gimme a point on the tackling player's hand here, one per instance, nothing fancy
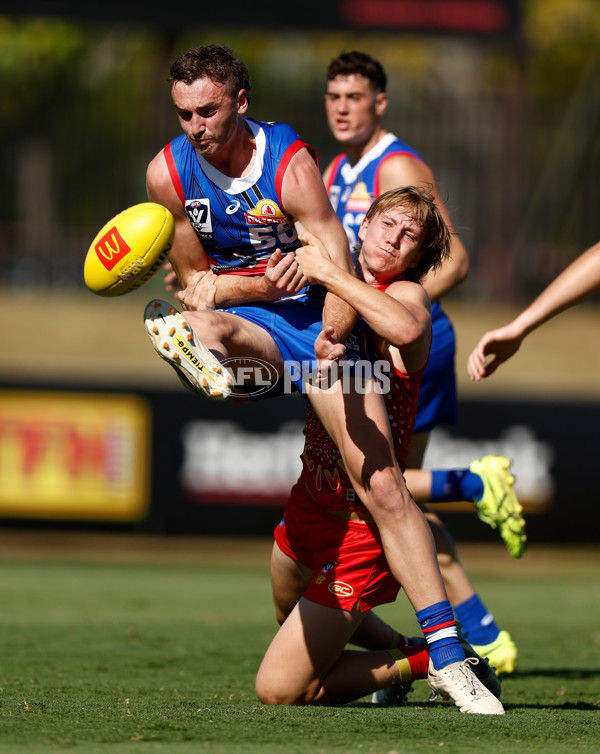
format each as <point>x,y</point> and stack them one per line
<point>308,239</point>
<point>200,292</point>
<point>313,258</point>
<point>283,276</point>
<point>328,351</point>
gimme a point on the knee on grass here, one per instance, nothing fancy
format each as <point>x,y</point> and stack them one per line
<point>272,693</point>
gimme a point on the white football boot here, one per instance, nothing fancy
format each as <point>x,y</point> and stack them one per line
<point>458,682</point>
<point>175,342</point>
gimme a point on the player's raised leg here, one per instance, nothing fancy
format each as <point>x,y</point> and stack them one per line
<point>196,344</point>
<point>174,341</point>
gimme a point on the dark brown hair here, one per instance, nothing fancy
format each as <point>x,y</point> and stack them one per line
<point>215,62</point>
<point>358,64</point>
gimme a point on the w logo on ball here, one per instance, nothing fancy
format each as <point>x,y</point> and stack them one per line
<point>111,248</point>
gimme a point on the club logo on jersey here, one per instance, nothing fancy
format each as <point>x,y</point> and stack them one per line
<point>266,212</point>
<point>198,212</point>
<point>340,588</point>
<point>111,248</point>
<point>360,200</point>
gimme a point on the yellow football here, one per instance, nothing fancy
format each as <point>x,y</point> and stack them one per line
<point>129,249</point>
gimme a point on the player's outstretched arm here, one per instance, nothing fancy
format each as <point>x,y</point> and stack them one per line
<point>401,315</point>
<point>576,282</point>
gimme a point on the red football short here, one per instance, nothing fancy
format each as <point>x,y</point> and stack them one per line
<point>346,557</point>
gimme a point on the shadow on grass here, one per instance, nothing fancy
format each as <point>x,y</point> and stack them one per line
<point>584,706</point>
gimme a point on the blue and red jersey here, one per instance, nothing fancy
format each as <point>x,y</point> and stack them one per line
<point>240,221</point>
<point>352,188</point>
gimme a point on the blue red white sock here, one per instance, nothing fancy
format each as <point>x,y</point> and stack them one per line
<point>451,485</point>
<point>476,621</point>
<point>439,628</point>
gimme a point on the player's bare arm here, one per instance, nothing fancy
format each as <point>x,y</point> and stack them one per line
<point>283,277</point>
<point>408,171</point>
<point>187,254</point>
<point>401,315</point>
<point>576,282</point>
<point>409,349</point>
<point>305,198</point>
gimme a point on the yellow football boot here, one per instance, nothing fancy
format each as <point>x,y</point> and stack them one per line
<point>499,507</point>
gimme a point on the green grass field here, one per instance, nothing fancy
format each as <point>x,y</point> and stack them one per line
<point>113,644</point>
